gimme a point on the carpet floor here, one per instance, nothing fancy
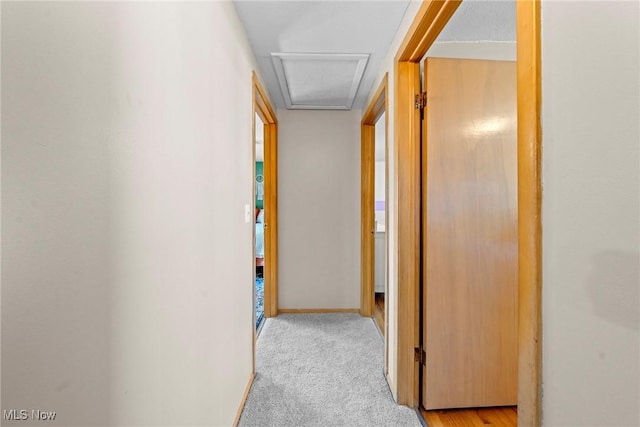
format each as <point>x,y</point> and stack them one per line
<point>321,370</point>
<point>259,300</point>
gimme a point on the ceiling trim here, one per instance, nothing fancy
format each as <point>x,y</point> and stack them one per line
<point>278,58</point>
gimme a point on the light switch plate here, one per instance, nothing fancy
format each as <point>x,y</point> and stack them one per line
<point>247,213</point>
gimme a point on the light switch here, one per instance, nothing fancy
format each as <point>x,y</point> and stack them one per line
<point>247,213</point>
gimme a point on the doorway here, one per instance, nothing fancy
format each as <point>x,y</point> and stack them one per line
<point>380,222</point>
<point>429,22</point>
<point>374,210</point>
<point>265,213</point>
<point>259,219</point>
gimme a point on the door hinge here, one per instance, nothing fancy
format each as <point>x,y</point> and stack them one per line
<point>421,100</point>
<point>421,355</point>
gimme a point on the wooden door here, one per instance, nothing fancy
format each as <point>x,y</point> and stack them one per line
<point>470,234</point>
<point>271,219</point>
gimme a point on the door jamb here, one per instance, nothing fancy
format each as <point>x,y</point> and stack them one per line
<point>262,107</point>
<point>431,18</point>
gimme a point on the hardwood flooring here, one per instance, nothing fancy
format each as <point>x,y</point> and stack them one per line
<point>378,311</point>
<point>475,417</point>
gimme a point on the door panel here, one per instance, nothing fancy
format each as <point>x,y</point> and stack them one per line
<point>470,234</point>
<point>271,220</point>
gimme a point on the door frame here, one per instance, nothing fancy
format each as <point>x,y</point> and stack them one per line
<point>262,107</point>
<point>431,18</point>
<point>378,105</point>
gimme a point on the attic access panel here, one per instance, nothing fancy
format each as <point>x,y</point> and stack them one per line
<point>319,81</point>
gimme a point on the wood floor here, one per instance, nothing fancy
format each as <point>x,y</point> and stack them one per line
<point>477,417</point>
<point>500,417</point>
<point>378,311</point>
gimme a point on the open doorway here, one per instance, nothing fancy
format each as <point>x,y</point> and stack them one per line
<point>259,220</point>
<point>469,283</point>
<point>374,171</point>
<point>380,222</point>
<point>265,214</point>
<point>409,176</point>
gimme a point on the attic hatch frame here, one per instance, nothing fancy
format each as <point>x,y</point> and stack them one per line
<point>278,59</point>
<point>430,20</point>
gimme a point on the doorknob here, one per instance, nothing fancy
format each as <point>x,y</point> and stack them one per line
<point>266,225</point>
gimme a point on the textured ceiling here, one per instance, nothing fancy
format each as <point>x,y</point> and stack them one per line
<point>350,27</point>
<point>480,20</point>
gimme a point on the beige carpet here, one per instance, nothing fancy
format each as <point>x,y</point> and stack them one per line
<point>321,370</point>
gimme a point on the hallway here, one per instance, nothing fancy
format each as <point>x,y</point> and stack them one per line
<point>128,177</point>
<point>321,370</point>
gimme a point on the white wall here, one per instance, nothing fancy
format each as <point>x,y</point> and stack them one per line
<point>498,51</point>
<point>379,191</point>
<point>126,261</point>
<point>379,175</point>
<point>379,181</point>
<point>591,215</point>
<point>380,138</point>
<point>319,209</point>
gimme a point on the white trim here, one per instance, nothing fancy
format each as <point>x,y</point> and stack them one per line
<point>277,59</point>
